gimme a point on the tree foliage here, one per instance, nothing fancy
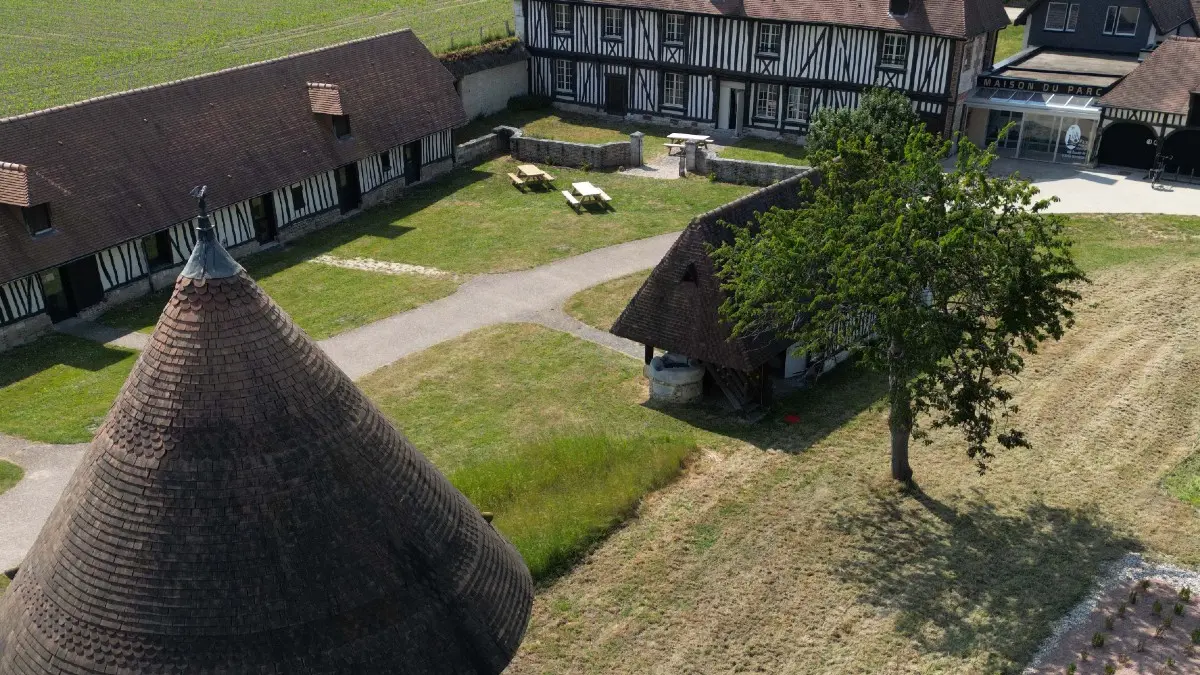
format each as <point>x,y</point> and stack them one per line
<point>961,272</point>
<point>883,114</point>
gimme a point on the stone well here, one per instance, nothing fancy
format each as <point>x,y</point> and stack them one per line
<point>675,378</point>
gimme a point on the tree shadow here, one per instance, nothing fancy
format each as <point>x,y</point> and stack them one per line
<point>968,580</point>
<point>836,399</point>
<point>23,362</point>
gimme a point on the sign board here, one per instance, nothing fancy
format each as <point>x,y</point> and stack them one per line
<point>1041,87</point>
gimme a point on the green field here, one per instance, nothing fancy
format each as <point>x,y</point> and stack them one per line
<point>61,51</point>
<point>10,475</point>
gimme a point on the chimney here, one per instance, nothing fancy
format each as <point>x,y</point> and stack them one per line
<point>898,7</point>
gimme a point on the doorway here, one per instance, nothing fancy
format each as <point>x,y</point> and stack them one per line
<point>262,212</point>
<point>412,163</point>
<point>72,288</point>
<point>349,193</point>
<point>616,94</point>
<point>730,106</point>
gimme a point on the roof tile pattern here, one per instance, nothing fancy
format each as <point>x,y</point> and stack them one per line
<point>114,168</point>
<point>678,307</point>
<point>325,99</point>
<point>1164,82</point>
<point>245,509</point>
<point>14,184</point>
<point>948,18</point>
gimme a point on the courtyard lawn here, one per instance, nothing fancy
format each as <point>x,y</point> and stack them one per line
<point>475,221</point>
<point>1184,481</point>
<point>59,388</point>
<point>322,299</point>
<point>1009,42</point>
<point>61,52</point>
<point>600,306</point>
<point>10,475</point>
<point>760,150</point>
<point>538,427</point>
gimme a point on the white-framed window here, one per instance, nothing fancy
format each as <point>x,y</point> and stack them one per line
<point>895,51</point>
<point>614,22</point>
<point>562,18</point>
<point>673,28</point>
<point>564,76</point>
<point>1121,21</point>
<point>799,102</point>
<point>770,36</point>
<point>1062,17</point>
<point>674,90</point>
<point>766,103</point>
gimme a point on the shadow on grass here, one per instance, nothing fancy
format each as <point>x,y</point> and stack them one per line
<point>53,350</point>
<point>973,581</point>
<point>835,400</point>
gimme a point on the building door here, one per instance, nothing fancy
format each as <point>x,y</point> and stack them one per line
<point>730,105</point>
<point>58,306</point>
<point>72,288</point>
<point>349,193</point>
<point>616,94</point>
<point>412,163</point>
<point>262,212</point>
<point>1183,148</point>
<point>734,98</point>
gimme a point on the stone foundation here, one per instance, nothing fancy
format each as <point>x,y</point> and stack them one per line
<point>24,331</point>
<point>479,150</point>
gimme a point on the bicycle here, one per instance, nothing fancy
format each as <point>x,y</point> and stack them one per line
<point>1160,165</point>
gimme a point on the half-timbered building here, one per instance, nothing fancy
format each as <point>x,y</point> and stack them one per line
<point>762,66</point>
<point>93,205</point>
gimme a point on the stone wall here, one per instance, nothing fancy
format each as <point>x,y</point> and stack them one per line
<point>479,150</point>
<point>487,91</point>
<point>23,331</point>
<point>563,153</point>
<point>742,172</point>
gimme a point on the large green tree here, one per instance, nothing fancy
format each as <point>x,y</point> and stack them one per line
<point>961,273</point>
<point>883,114</point>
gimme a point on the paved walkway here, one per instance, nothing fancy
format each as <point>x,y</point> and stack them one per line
<point>97,332</point>
<point>1104,189</point>
<point>28,504</point>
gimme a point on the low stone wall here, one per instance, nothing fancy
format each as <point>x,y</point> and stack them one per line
<point>743,172</point>
<point>785,194</point>
<point>613,155</point>
<point>23,331</point>
<point>479,150</point>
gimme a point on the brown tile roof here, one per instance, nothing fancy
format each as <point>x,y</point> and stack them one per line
<point>677,308</point>
<point>1164,82</point>
<point>948,18</point>
<point>244,508</point>
<point>14,184</point>
<point>118,167</point>
<point>325,98</point>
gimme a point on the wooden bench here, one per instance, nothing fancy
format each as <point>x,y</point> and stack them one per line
<point>673,146</point>
<point>605,198</point>
<point>516,180</point>
<point>575,203</point>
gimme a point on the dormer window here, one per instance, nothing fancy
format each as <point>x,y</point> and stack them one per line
<point>341,126</point>
<point>37,219</point>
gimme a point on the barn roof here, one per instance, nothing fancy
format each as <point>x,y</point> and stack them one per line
<point>678,306</point>
<point>245,508</point>
<point>1164,82</point>
<point>947,18</point>
<point>117,167</point>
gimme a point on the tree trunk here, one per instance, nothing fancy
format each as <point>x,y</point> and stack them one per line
<point>900,417</point>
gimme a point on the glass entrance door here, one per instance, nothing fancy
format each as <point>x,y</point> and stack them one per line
<point>1006,145</point>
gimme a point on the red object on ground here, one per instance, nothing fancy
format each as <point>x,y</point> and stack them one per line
<point>791,419</point>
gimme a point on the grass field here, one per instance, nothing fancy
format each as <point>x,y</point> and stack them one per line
<point>60,52</point>
<point>600,306</point>
<point>1184,481</point>
<point>539,427</point>
<point>760,150</point>
<point>10,474</point>
<point>1009,42</point>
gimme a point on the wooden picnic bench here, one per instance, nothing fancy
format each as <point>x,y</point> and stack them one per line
<point>674,146</point>
<point>516,180</point>
<point>582,193</point>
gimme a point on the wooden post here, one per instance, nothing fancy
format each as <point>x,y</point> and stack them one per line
<point>649,354</point>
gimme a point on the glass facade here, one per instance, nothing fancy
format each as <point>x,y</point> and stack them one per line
<point>1048,128</point>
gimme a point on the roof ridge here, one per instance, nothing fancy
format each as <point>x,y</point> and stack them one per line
<point>201,76</point>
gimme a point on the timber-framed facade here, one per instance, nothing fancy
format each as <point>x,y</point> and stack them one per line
<point>760,67</point>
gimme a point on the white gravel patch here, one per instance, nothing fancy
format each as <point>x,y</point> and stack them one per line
<point>381,266</point>
<point>1131,568</point>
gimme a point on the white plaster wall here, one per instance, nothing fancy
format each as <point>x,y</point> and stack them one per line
<point>487,92</point>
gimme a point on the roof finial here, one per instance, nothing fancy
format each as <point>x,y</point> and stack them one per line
<point>209,260</point>
<point>203,226</point>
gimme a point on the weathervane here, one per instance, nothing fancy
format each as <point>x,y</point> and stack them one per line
<point>198,193</point>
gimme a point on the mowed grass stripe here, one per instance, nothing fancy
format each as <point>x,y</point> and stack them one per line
<point>61,52</point>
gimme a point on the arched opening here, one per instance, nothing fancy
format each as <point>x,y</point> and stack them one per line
<point>1183,147</point>
<point>1127,144</point>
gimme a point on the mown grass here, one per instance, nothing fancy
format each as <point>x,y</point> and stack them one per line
<point>10,475</point>
<point>1184,480</point>
<point>599,306</point>
<point>1103,241</point>
<point>58,389</point>
<point>760,150</point>
<point>1009,42</point>
<point>562,126</point>
<point>538,427</point>
<point>323,300</point>
<point>60,52</point>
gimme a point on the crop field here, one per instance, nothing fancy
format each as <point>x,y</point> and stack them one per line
<point>60,51</point>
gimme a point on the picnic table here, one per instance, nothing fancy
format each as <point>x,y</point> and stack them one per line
<point>529,173</point>
<point>584,193</point>
<point>681,140</point>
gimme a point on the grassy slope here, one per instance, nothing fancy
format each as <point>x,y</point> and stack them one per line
<point>810,561</point>
<point>1009,42</point>
<point>539,427</point>
<point>10,474</point>
<point>58,389</point>
<point>760,150</point>
<point>600,306</point>
<point>59,52</point>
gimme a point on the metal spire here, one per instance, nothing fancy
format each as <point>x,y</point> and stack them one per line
<point>209,259</point>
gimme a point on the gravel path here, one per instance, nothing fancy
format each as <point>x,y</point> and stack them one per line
<point>98,332</point>
<point>27,505</point>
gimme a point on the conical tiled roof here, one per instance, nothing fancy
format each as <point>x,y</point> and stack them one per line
<point>244,508</point>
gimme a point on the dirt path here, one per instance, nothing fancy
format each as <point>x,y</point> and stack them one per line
<point>811,562</point>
